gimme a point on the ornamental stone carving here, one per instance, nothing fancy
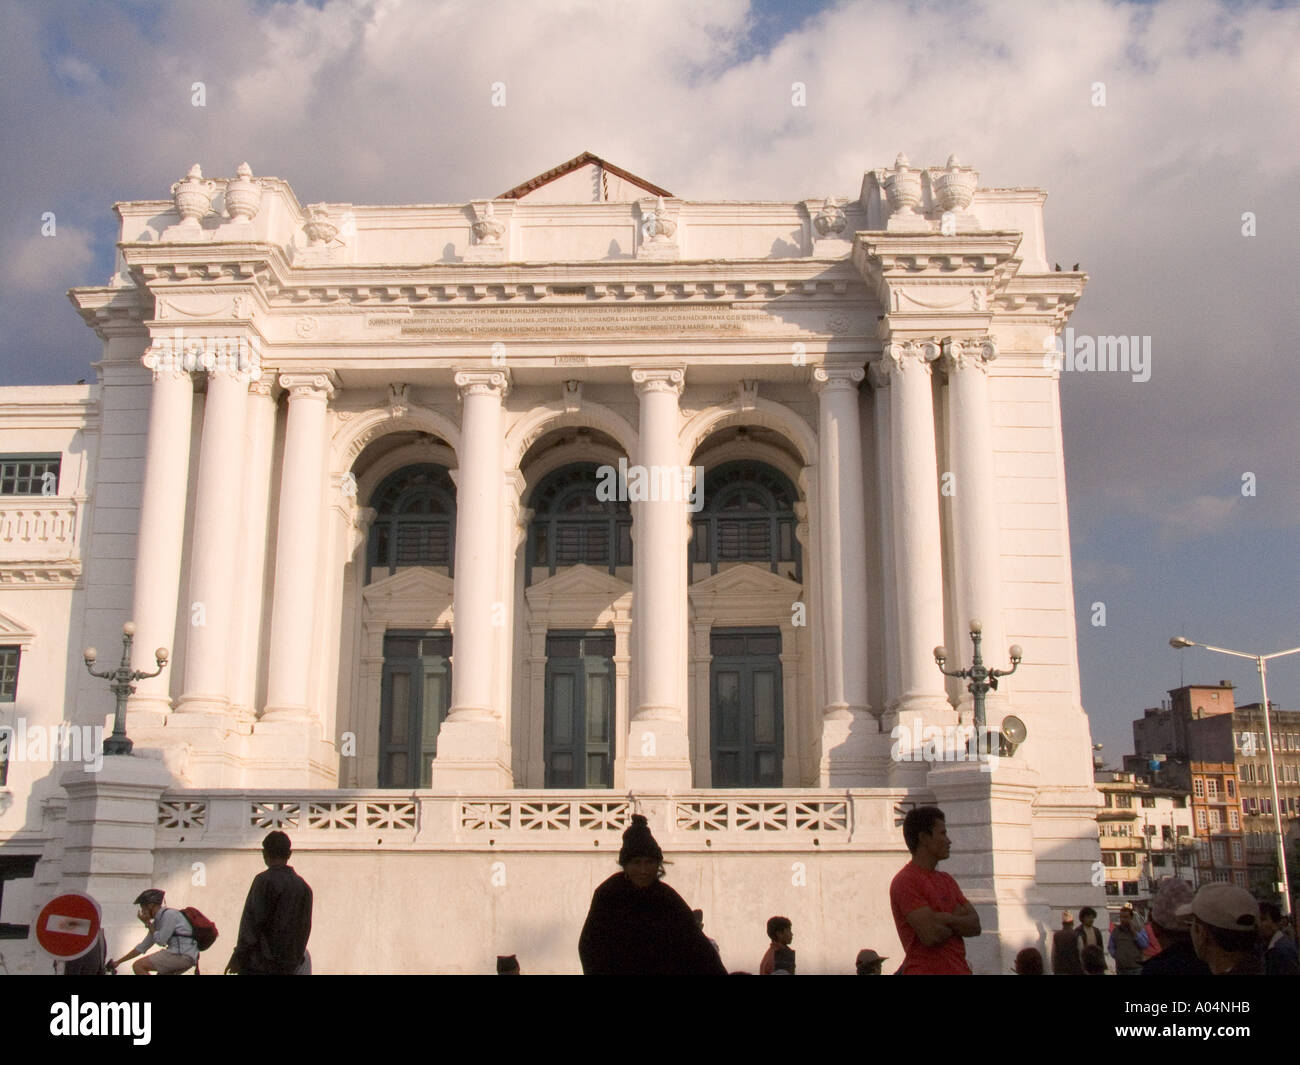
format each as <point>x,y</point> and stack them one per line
<point>830,220</point>
<point>482,383</point>
<point>837,378</point>
<point>975,352</point>
<point>193,196</point>
<point>488,229</point>
<point>898,355</point>
<point>319,227</point>
<point>398,400</point>
<point>659,380</point>
<point>954,185</point>
<point>307,386</point>
<point>243,195</point>
<point>656,225</point>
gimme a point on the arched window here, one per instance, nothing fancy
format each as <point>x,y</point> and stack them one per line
<point>748,516</point>
<point>415,523</point>
<point>572,524</point>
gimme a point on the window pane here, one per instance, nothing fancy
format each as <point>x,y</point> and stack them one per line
<point>728,707</point>
<point>541,542</point>
<point>431,707</point>
<point>597,708</point>
<point>562,710</point>
<point>8,674</point>
<point>561,769</point>
<point>625,544</point>
<point>766,774</point>
<point>400,708</point>
<point>397,770</point>
<point>726,770</point>
<point>765,644</point>
<point>764,708</point>
<point>563,646</point>
<point>596,771</point>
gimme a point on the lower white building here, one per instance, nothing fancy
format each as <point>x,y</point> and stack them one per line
<point>470,529</point>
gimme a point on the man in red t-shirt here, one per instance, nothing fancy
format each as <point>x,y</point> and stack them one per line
<point>930,912</point>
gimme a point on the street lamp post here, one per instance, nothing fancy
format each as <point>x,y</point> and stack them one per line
<point>982,679</point>
<point>1179,642</point>
<point>121,686</point>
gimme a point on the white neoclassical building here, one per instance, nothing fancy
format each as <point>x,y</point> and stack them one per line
<point>471,529</point>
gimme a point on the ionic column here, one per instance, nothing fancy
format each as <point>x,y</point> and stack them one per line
<point>977,554</point>
<point>844,576</point>
<point>918,569</point>
<point>162,531</point>
<point>258,440</point>
<point>297,540</point>
<point>217,546</point>
<point>473,746</point>
<point>658,755</point>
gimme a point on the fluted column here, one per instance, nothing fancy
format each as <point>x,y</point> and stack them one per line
<point>658,756</point>
<point>297,539</point>
<point>162,531</point>
<point>978,556</point>
<point>844,575</point>
<point>258,440</point>
<point>918,570</point>
<point>216,546</point>
<point>473,747</point>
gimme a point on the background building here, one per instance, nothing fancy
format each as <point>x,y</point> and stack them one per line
<point>1217,751</point>
<point>351,465</point>
<point>1146,834</point>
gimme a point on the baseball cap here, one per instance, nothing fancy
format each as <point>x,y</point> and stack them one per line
<point>870,957</point>
<point>1224,906</point>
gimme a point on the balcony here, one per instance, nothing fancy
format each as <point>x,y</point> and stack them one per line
<point>40,539</point>
<point>806,820</point>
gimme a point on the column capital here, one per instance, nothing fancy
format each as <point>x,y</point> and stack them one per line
<point>262,385</point>
<point>307,385</point>
<point>159,358</point>
<point>837,378</point>
<point>896,354</point>
<point>878,374</point>
<point>961,352</point>
<point>482,383</point>
<point>659,380</point>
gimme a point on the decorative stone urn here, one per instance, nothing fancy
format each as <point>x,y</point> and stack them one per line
<point>830,220</point>
<point>954,186</point>
<point>489,229</point>
<point>902,185</point>
<point>193,196</point>
<point>243,195</point>
<point>319,228</point>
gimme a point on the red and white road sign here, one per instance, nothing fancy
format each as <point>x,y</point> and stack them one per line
<point>68,926</point>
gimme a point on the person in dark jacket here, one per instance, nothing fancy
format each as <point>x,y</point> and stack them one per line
<point>1177,956</point>
<point>1280,957</point>
<point>1065,949</point>
<point>638,925</point>
<point>276,923</point>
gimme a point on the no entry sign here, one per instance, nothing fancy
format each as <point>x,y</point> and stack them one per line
<point>67,926</point>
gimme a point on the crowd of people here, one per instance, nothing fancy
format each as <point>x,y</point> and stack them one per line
<point>639,925</point>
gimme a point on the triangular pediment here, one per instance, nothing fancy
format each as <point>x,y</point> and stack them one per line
<point>580,582</point>
<point>745,581</point>
<point>586,178</point>
<point>13,631</point>
<point>413,583</point>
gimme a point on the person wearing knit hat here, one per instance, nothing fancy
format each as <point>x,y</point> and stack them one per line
<point>1225,926</point>
<point>1177,956</point>
<point>638,925</point>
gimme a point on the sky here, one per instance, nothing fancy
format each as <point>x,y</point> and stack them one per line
<point>1165,134</point>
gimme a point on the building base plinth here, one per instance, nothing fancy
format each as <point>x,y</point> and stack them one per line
<point>472,756</point>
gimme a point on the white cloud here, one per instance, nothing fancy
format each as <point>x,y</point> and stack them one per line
<point>44,264</point>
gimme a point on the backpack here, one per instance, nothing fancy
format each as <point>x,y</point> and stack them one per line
<point>204,932</point>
